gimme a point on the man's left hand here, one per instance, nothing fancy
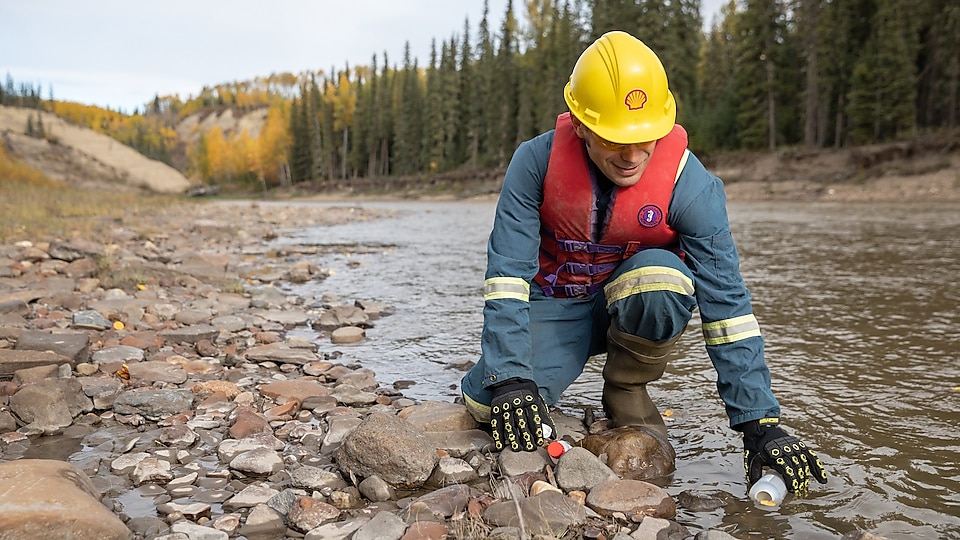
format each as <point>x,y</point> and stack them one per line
<point>766,444</point>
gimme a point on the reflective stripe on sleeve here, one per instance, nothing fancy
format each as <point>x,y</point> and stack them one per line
<point>731,330</point>
<point>683,163</point>
<point>480,412</point>
<point>646,279</point>
<point>506,287</point>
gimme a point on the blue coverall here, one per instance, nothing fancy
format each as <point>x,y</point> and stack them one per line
<point>549,339</point>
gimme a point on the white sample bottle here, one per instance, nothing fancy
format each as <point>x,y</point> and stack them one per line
<point>769,490</point>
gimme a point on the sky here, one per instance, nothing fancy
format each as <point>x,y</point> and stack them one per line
<point>120,54</point>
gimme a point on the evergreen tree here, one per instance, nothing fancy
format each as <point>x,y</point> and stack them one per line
<point>845,27</point>
<point>409,125</point>
<point>359,149</point>
<point>449,106</point>
<point>434,129</point>
<point>486,112</point>
<point>468,133</point>
<point>882,101</point>
<point>939,71</point>
<point>714,124</point>
<point>506,91</point>
<point>759,31</point>
<point>300,141</point>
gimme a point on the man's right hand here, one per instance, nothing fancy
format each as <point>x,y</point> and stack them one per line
<point>517,415</point>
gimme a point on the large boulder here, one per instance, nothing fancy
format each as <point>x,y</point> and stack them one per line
<point>53,499</point>
<point>391,448</point>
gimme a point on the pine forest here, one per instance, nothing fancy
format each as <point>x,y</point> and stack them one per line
<point>767,74</point>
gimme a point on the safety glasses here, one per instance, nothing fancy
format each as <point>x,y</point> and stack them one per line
<point>615,147</point>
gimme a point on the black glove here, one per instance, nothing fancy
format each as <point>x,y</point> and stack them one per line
<point>764,443</point>
<point>517,415</point>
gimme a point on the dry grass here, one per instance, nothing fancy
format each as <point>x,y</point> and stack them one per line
<point>33,206</point>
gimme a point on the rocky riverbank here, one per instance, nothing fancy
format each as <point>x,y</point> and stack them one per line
<point>149,388</point>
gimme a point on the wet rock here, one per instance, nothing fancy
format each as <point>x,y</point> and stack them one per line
<point>34,374</point>
<point>704,501</point>
<point>391,448</point>
<point>374,309</point>
<point>7,422</point>
<point>580,469</point>
<point>548,513</point>
<point>50,405</point>
<point>633,452</point>
<point>451,470</point>
<point>518,463</point>
<point>119,353</point>
<point>101,390</point>
<point>198,532</point>
<point>339,427</point>
<point>340,530</point>
<point>652,527</point>
<point>14,306</point>
<point>308,513</point>
<point>375,489</point>
<point>444,502</point>
<point>190,317</point>
<point>352,396</point>
<point>340,316</point>
<point>250,497</point>
<point>179,436</point>
<point>191,334</point>
<point>280,355</point>
<point>315,479</point>
<point>245,421</point>
<point>631,497</point>
<point>54,499</point>
<point>263,523</point>
<point>363,378</point>
<point>73,249</point>
<point>426,530</point>
<point>383,526</point>
<point>72,345</point>
<point>460,443</point>
<point>157,371</point>
<point>258,461</point>
<point>439,416</point>
<point>91,320</point>
<point>127,462</point>
<point>153,404</point>
<point>151,469</point>
<point>13,360</point>
<point>289,318</point>
<point>347,334</point>
<point>296,389</point>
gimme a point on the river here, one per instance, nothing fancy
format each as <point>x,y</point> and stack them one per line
<point>859,305</point>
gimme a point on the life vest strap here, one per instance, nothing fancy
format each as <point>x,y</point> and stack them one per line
<point>589,247</point>
<point>571,290</point>
<point>589,269</point>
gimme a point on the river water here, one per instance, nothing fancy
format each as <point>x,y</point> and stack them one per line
<point>859,305</point>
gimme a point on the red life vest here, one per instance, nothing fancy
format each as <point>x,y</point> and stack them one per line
<point>571,262</point>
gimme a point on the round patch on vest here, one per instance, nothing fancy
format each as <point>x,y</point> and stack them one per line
<point>650,216</point>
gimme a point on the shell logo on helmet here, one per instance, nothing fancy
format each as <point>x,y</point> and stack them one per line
<point>635,99</point>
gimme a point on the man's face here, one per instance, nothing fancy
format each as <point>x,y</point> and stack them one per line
<point>623,164</point>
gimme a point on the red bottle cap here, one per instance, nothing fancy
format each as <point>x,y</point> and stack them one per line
<point>557,448</point>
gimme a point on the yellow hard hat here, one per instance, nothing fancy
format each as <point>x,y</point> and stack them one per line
<point>618,89</point>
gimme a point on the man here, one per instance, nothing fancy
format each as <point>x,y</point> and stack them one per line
<point>608,234</point>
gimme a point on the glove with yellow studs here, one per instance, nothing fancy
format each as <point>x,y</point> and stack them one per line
<point>517,416</point>
<point>766,444</point>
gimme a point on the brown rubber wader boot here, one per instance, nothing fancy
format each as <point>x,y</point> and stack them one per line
<point>632,362</point>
